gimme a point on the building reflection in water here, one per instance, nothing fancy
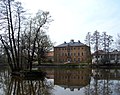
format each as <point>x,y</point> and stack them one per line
<point>94,82</point>
<point>111,74</point>
<point>49,72</point>
<point>72,78</point>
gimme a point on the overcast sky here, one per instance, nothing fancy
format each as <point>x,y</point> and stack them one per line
<point>74,18</point>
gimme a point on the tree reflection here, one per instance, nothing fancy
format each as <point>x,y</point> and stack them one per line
<point>104,82</point>
<point>19,86</point>
<point>117,87</point>
<point>4,79</point>
<point>91,82</point>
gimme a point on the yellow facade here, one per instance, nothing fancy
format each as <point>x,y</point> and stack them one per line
<point>72,52</point>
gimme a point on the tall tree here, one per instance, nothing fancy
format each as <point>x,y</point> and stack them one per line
<point>44,45</point>
<point>104,37</point>
<point>106,41</point>
<point>95,41</point>
<point>109,43</point>
<point>10,21</point>
<point>118,42</point>
<point>36,39</point>
<point>88,39</point>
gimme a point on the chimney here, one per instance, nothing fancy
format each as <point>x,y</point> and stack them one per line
<point>72,41</point>
<point>78,41</point>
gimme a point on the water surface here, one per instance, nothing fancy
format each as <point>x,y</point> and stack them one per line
<point>63,81</point>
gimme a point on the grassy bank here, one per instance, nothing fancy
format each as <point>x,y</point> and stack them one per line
<point>63,65</point>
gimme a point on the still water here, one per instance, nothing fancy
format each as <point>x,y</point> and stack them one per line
<point>63,81</point>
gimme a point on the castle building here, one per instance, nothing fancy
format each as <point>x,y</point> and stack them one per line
<point>72,52</point>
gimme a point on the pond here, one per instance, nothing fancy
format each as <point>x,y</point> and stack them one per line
<point>63,81</point>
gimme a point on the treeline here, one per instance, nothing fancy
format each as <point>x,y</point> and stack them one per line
<point>102,41</point>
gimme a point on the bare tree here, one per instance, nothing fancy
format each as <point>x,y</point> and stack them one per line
<point>12,24</point>
<point>95,40</point>
<point>118,42</point>
<point>36,39</point>
<point>106,41</point>
<point>88,39</point>
<point>44,45</point>
<point>104,37</point>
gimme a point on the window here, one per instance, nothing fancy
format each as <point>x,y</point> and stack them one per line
<point>98,56</point>
<point>78,54</point>
<point>68,54</point>
<point>82,53</point>
<point>82,77</point>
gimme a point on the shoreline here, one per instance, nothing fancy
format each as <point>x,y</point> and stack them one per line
<point>81,65</point>
<point>84,65</point>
